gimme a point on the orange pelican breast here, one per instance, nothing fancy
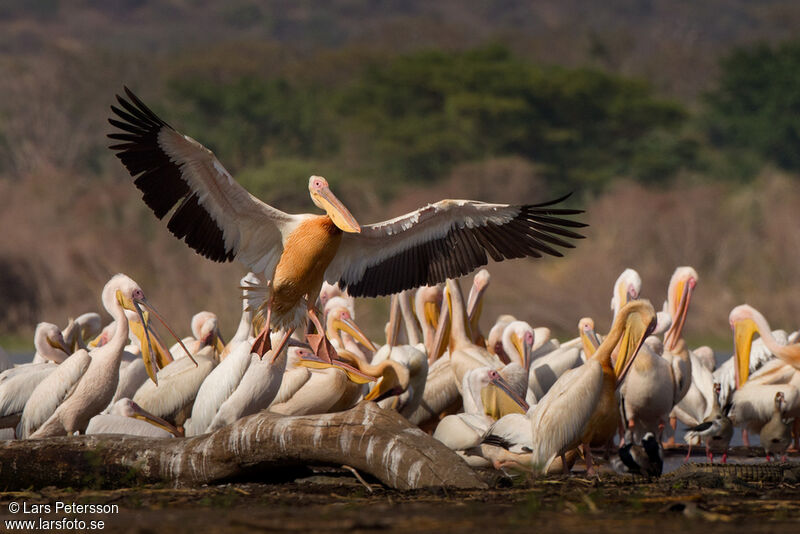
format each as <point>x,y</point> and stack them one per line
<point>307,252</point>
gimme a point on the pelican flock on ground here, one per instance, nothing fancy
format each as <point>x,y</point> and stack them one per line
<point>516,398</point>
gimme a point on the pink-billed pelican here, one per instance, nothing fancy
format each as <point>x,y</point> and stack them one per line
<point>222,221</point>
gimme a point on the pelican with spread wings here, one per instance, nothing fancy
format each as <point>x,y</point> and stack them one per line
<point>222,221</point>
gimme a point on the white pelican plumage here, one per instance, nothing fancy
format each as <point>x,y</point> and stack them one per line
<point>465,430</point>
<point>128,418</point>
<point>92,390</point>
<point>698,403</point>
<point>557,423</point>
<point>17,384</point>
<point>753,402</point>
<point>661,374</point>
<point>50,345</point>
<point>222,221</point>
<point>328,387</point>
<point>178,383</point>
<point>205,332</point>
<point>242,384</point>
<point>390,392</point>
<point>559,419</point>
<point>627,287</point>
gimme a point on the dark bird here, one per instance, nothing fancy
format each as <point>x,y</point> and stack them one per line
<point>645,459</point>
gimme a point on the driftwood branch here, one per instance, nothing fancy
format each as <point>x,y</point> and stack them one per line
<point>368,438</point>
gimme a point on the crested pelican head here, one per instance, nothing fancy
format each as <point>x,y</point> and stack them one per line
<point>323,198</point>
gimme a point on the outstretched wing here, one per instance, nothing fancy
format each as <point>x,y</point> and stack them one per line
<point>214,215</point>
<point>444,240</point>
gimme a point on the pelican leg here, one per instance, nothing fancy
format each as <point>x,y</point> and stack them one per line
<point>322,347</point>
<point>564,463</point>
<point>263,343</point>
<point>282,344</point>
<point>745,437</point>
<point>725,457</point>
<point>587,456</point>
<point>688,454</point>
<point>673,422</point>
<point>313,316</point>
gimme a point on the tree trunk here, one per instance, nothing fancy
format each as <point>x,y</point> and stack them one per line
<point>368,438</point>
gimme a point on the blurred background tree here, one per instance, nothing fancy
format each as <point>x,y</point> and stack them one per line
<point>675,122</point>
<point>755,107</point>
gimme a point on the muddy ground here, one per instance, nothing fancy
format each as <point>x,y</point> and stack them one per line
<point>328,499</point>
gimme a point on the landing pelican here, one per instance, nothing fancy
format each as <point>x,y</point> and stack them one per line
<point>222,221</point>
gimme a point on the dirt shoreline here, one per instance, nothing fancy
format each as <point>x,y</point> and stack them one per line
<point>333,500</point>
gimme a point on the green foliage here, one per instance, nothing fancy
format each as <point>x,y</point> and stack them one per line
<point>414,117</point>
<point>425,112</point>
<point>250,120</point>
<point>756,105</point>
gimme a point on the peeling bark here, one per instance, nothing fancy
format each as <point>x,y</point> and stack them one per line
<point>368,438</point>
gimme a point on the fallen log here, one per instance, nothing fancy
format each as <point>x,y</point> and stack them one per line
<point>370,439</point>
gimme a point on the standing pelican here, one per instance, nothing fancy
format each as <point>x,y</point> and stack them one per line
<point>559,419</point>
<point>661,375</point>
<point>753,401</point>
<point>557,423</point>
<point>222,221</point>
<point>95,386</point>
